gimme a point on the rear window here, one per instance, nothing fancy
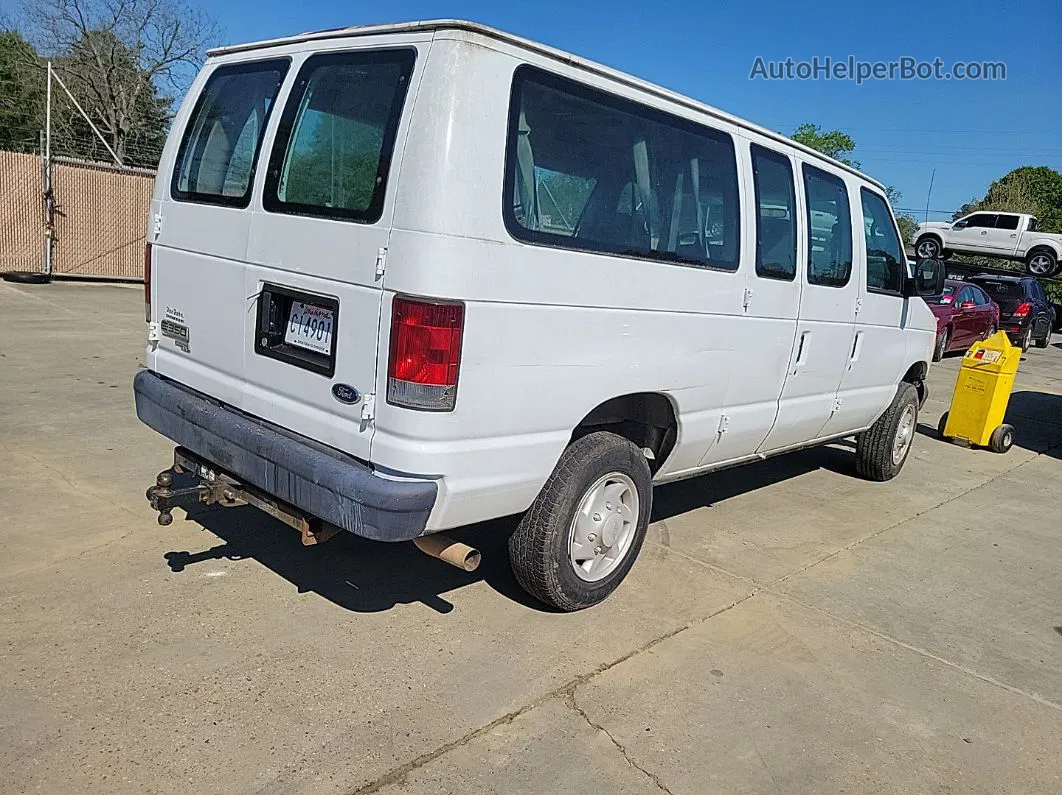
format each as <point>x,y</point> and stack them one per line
<point>1001,289</point>
<point>335,139</point>
<point>216,160</point>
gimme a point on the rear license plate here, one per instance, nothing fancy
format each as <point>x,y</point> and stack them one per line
<point>310,327</point>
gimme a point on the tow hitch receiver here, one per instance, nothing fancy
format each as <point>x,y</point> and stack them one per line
<point>192,481</point>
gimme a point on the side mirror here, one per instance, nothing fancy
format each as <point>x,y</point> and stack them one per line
<point>929,276</point>
<point>960,224</point>
<point>967,305</point>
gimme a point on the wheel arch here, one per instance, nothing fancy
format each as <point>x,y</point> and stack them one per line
<point>1048,246</point>
<point>916,376</point>
<point>933,234</point>
<point>648,419</point>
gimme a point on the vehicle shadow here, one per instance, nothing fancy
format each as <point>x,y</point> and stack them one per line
<point>368,576</point>
<point>1037,420</point>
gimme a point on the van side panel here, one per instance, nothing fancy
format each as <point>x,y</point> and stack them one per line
<point>549,333</point>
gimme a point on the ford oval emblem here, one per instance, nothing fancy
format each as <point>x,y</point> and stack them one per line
<point>345,393</point>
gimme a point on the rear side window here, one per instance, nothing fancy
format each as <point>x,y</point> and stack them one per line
<point>829,228</point>
<point>216,160</point>
<point>1004,221</point>
<point>590,171</point>
<point>335,139</point>
<point>886,261</point>
<point>776,230</point>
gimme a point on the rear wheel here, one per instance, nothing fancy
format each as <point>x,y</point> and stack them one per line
<point>1041,263</point>
<point>1002,439</point>
<point>583,532</point>
<point>943,339</point>
<point>1026,339</point>
<point>882,449</point>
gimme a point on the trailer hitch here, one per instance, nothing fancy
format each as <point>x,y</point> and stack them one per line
<point>206,485</point>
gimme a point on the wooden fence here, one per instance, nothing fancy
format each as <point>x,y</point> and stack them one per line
<point>100,218</point>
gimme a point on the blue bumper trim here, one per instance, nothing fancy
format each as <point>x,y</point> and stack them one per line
<point>318,479</point>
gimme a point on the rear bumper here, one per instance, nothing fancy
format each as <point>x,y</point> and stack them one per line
<point>318,479</point>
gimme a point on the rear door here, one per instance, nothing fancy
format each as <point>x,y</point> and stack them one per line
<point>1003,237</point>
<point>317,247</point>
<point>199,227</point>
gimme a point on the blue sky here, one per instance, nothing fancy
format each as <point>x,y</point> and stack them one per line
<point>970,131</point>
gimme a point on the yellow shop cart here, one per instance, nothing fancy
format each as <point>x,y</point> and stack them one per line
<point>982,392</point>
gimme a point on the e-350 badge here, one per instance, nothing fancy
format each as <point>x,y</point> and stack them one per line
<point>176,330</point>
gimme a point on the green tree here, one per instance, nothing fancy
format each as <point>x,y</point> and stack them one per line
<point>1030,189</point>
<point>907,222</point>
<point>124,61</point>
<point>21,94</point>
<point>834,143</point>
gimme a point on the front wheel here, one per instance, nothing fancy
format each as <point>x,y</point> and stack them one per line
<point>928,248</point>
<point>1043,343</point>
<point>582,534</point>
<point>882,449</point>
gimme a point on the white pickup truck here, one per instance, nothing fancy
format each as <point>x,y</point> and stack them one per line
<point>1011,236</point>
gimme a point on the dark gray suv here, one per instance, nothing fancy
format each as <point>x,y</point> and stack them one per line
<point>1024,311</point>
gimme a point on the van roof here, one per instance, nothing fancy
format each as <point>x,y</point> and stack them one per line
<point>542,49</point>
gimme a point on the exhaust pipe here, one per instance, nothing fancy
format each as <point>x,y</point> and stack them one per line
<point>441,546</point>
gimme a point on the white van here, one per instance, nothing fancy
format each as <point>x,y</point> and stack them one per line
<point>408,277</point>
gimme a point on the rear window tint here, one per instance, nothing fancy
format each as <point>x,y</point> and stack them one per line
<point>335,139</point>
<point>216,160</point>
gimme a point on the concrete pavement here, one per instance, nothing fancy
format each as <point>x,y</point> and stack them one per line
<point>788,628</point>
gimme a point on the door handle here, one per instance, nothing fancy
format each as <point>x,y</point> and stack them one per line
<point>1014,235</point>
<point>984,233</point>
<point>857,346</point>
<point>802,351</point>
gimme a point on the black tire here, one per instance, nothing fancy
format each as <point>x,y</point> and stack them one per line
<point>875,446</point>
<point>942,424</point>
<point>943,338</point>
<point>1026,339</point>
<point>1002,439</point>
<point>26,277</point>
<point>1041,262</point>
<point>1043,343</point>
<point>538,550</point>
<point>928,247</point>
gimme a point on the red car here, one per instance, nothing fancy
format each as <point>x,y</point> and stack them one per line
<point>965,314</point>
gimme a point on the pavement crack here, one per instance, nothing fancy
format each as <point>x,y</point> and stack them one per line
<point>398,774</point>
<point>924,652</point>
<point>569,701</point>
<point>901,522</point>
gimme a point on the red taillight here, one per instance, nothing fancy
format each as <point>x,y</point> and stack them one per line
<point>147,282</point>
<point>425,354</point>
<point>1023,310</point>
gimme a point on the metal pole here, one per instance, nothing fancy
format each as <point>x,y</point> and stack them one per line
<point>930,193</point>
<point>49,203</point>
<point>84,115</point>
